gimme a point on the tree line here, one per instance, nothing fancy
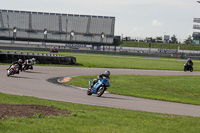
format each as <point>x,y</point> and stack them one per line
<point>173,39</point>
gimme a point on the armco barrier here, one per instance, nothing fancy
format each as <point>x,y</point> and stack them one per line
<point>9,57</point>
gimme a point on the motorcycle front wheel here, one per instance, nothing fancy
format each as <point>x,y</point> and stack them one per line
<point>191,69</point>
<point>89,92</point>
<point>10,73</point>
<point>185,69</point>
<point>23,68</point>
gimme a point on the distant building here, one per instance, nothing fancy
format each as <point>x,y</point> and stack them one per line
<point>56,27</point>
<point>196,35</point>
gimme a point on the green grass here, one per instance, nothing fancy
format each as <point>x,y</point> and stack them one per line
<point>130,62</point>
<point>183,89</point>
<point>92,119</point>
<point>127,62</point>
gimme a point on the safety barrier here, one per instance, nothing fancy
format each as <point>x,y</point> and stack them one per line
<point>9,57</point>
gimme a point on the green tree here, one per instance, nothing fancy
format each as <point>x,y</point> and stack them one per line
<point>174,39</point>
<point>159,38</point>
<point>150,39</point>
<point>189,40</point>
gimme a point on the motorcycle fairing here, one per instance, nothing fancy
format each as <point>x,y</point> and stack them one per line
<point>96,86</point>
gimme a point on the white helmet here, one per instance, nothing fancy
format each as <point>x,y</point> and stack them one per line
<point>107,73</point>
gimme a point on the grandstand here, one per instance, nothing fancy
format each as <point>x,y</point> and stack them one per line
<point>56,27</point>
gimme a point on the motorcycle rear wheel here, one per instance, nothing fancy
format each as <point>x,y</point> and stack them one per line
<point>100,91</point>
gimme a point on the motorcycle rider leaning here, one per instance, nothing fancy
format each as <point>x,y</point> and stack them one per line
<point>19,62</point>
<point>30,62</point>
<point>100,77</point>
<point>189,62</point>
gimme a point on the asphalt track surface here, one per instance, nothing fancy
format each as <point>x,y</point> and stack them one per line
<point>35,83</point>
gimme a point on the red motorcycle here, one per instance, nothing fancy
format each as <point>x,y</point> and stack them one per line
<point>13,70</point>
<point>53,50</point>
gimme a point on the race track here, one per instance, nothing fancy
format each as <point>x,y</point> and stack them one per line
<point>34,83</point>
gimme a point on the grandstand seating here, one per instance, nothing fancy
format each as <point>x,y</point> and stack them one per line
<point>59,27</point>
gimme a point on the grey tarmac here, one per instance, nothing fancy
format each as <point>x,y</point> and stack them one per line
<point>34,83</point>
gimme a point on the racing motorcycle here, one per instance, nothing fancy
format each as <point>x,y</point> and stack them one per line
<point>99,87</point>
<point>188,67</point>
<point>13,69</point>
<point>27,65</point>
<point>53,50</point>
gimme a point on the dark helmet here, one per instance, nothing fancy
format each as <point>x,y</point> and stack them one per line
<point>20,61</point>
<point>107,73</point>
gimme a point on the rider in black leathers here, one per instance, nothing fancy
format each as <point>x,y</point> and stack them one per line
<point>189,62</point>
<point>19,62</point>
<point>100,77</point>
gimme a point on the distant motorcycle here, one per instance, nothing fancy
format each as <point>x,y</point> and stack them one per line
<point>53,50</point>
<point>27,65</point>
<point>13,69</point>
<point>99,88</point>
<point>188,67</point>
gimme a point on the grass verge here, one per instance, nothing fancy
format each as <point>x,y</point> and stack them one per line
<point>127,62</point>
<point>92,119</point>
<point>183,89</point>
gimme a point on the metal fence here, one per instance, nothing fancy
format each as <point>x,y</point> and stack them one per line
<point>56,27</point>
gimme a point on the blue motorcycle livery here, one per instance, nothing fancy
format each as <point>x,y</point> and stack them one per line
<point>99,87</point>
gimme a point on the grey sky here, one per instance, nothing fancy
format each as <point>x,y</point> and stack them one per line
<point>135,18</point>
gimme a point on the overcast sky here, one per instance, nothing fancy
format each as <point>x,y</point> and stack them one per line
<point>135,18</point>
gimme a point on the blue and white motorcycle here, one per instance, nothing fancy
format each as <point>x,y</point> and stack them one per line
<point>99,87</point>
